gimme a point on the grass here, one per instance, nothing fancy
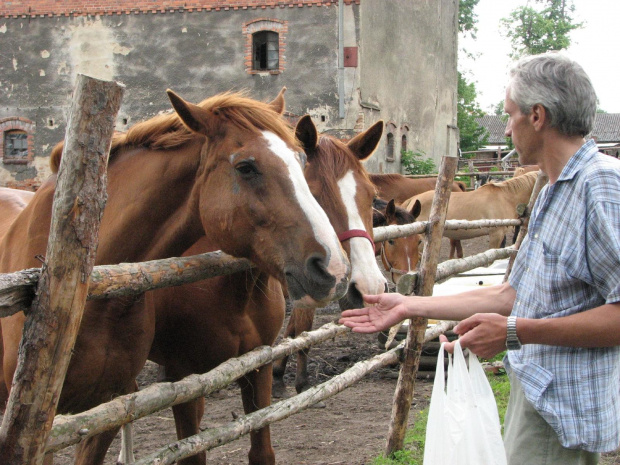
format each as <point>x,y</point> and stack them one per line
<point>413,451</point>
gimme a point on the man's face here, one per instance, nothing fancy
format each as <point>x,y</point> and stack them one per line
<point>519,128</point>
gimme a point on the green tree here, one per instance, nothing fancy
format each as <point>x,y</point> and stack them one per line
<point>472,135</point>
<point>535,30</point>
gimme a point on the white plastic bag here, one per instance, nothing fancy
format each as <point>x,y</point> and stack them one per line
<point>463,425</point>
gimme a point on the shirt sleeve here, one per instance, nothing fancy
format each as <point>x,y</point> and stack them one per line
<point>603,237</point>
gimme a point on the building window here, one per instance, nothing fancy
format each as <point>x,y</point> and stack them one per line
<point>15,146</point>
<point>265,45</point>
<point>16,140</point>
<point>403,143</point>
<point>390,142</point>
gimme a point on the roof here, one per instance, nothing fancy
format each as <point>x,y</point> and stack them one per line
<point>606,128</point>
<point>49,8</point>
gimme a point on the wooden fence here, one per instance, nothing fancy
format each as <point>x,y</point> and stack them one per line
<point>27,445</point>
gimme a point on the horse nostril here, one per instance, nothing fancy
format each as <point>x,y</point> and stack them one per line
<point>317,270</point>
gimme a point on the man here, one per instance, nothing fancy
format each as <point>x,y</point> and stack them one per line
<point>559,312</point>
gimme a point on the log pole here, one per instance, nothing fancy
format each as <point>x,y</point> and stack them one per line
<point>415,334</point>
<point>51,327</point>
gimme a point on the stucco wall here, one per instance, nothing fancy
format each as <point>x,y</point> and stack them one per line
<point>196,54</point>
<point>406,72</point>
<point>411,77</point>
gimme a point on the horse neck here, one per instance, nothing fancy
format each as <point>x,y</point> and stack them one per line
<point>153,212</point>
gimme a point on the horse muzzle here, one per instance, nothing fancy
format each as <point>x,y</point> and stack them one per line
<point>314,285</point>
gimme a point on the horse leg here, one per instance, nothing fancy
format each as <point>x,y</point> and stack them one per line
<point>279,366</point>
<point>456,248</point>
<point>256,394</point>
<point>303,322</point>
<point>126,457</point>
<point>92,451</point>
<point>496,237</point>
<point>187,419</point>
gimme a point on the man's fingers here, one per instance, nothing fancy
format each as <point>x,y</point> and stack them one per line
<point>354,312</point>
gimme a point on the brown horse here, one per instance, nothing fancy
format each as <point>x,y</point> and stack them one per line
<point>401,188</point>
<point>12,202</point>
<point>340,182</point>
<point>401,255</point>
<point>200,325</point>
<point>227,169</point>
<point>496,200</point>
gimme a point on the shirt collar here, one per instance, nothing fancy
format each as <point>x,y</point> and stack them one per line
<point>582,158</point>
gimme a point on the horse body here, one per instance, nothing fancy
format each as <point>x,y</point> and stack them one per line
<point>341,185</point>
<point>227,169</point>
<point>401,255</point>
<point>401,188</point>
<point>491,201</point>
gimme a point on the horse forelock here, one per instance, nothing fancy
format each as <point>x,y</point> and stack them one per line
<point>333,162</point>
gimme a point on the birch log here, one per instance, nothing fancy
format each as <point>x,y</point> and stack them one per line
<point>415,334</point>
<point>51,328</point>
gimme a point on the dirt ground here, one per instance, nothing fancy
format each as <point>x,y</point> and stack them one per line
<point>350,430</point>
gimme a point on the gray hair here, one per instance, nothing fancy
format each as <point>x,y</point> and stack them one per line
<point>561,86</point>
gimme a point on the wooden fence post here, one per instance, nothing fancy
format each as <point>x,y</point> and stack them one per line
<point>426,280</point>
<point>51,326</point>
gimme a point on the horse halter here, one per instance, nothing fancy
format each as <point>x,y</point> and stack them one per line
<point>388,266</point>
<point>346,235</point>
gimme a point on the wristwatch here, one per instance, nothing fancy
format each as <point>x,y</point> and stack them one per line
<point>512,341</point>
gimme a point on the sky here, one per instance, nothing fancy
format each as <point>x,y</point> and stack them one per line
<point>596,47</point>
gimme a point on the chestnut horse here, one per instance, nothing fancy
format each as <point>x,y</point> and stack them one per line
<point>200,325</point>
<point>340,182</point>
<point>495,200</point>
<point>12,202</point>
<point>401,255</point>
<point>228,169</point>
<point>401,188</point>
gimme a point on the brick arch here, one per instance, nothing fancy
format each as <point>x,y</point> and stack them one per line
<point>265,24</point>
<point>17,123</point>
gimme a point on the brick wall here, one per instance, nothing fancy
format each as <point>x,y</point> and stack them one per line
<point>43,8</point>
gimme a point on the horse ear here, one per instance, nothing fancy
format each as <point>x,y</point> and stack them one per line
<point>364,144</point>
<point>193,116</point>
<point>390,212</point>
<point>278,103</point>
<point>416,209</point>
<point>306,133</point>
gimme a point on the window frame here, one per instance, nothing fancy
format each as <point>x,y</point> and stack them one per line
<point>267,25</point>
<point>17,125</point>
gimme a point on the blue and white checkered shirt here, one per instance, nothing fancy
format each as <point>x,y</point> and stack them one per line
<point>569,263</point>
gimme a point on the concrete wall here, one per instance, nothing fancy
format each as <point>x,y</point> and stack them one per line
<point>406,68</point>
<point>408,73</point>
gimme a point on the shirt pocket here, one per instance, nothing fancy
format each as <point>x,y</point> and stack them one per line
<point>555,284</point>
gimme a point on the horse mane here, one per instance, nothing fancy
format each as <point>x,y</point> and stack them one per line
<point>513,185</point>
<point>335,161</point>
<point>167,131</point>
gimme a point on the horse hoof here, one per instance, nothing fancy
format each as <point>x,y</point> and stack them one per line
<point>279,392</point>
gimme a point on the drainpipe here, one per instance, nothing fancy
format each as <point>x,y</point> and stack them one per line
<point>341,59</point>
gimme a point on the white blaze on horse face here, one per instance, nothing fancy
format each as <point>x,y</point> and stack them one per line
<point>338,264</point>
<point>365,272</point>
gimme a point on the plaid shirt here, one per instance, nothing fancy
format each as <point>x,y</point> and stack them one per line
<point>569,263</point>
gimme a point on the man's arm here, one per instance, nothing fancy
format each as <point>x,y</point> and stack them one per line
<point>385,310</point>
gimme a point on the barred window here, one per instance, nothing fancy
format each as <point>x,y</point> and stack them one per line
<point>15,147</point>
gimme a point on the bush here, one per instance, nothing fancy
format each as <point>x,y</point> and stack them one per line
<point>416,163</point>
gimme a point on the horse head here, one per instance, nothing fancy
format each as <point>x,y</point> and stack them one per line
<point>253,189</point>
<point>401,255</point>
<point>341,185</point>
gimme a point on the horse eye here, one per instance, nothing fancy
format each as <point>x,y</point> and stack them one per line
<point>247,169</point>
<point>391,241</point>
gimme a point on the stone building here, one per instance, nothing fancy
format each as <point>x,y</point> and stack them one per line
<point>347,63</point>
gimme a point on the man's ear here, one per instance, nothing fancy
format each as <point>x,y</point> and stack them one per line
<point>538,116</point>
